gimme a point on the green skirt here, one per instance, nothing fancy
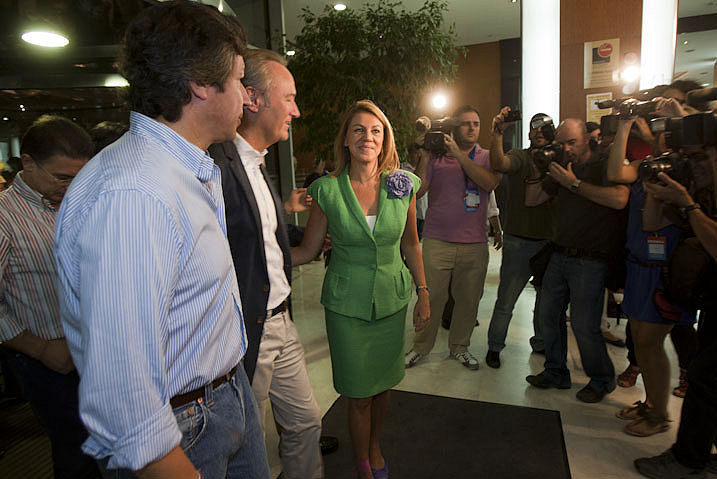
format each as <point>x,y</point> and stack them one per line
<point>367,357</point>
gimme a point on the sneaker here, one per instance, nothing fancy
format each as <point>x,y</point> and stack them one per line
<point>412,358</point>
<point>492,359</point>
<point>592,395</point>
<point>540,381</point>
<point>665,466</point>
<point>681,390</point>
<point>628,377</point>
<point>638,410</point>
<point>466,359</point>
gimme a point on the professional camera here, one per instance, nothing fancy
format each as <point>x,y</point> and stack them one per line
<point>626,107</point>
<point>698,129</point>
<point>546,127</point>
<point>552,152</point>
<point>671,163</point>
<point>434,130</point>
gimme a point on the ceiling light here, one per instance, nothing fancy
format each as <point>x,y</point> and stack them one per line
<point>339,7</point>
<point>45,39</point>
<point>705,85</point>
<point>5,118</point>
<point>116,81</point>
<point>685,42</point>
<point>220,7</point>
<point>290,53</point>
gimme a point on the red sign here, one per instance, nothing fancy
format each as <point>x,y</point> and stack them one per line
<point>605,50</point>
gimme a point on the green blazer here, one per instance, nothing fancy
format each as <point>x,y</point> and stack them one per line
<point>366,270</point>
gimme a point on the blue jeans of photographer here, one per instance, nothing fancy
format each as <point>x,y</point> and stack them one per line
<point>222,434</point>
<point>581,283</point>
<point>514,275</point>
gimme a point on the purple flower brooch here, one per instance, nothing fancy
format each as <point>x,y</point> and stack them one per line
<point>398,184</point>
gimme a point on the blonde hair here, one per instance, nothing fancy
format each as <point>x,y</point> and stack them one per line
<point>388,158</point>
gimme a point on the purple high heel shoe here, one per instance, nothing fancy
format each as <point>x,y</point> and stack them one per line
<point>380,473</point>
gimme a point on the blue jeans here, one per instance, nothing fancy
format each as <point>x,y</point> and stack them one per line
<point>514,275</point>
<point>580,282</point>
<point>53,399</point>
<point>221,435</point>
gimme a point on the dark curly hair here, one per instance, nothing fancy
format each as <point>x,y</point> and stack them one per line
<point>172,43</point>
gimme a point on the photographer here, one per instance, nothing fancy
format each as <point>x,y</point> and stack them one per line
<point>587,233</point>
<point>527,230</point>
<point>690,455</point>
<point>651,316</point>
<point>455,240</point>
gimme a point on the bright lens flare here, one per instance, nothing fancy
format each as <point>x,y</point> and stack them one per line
<point>439,101</point>
<point>45,39</point>
<point>631,74</point>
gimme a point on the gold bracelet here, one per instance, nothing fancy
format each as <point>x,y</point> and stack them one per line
<point>418,288</point>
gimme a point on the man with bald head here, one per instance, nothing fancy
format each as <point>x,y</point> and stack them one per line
<point>587,232</point>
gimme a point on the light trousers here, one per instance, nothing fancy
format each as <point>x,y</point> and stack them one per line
<point>281,378</point>
<point>463,266</point>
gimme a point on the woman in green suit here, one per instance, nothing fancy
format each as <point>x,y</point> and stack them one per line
<point>368,207</point>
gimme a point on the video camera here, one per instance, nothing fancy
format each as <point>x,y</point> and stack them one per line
<point>686,136</point>
<point>552,152</point>
<point>626,107</point>
<point>434,130</point>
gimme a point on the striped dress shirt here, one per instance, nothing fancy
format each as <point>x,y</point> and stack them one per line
<point>148,295</point>
<point>28,299</point>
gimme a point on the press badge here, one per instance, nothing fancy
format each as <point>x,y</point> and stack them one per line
<point>656,248</point>
<point>471,199</point>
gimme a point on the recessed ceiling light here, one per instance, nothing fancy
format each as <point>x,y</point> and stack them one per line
<point>290,53</point>
<point>705,85</point>
<point>339,7</point>
<point>685,42</point>
<point>45,39</point>
<point>5,118</point>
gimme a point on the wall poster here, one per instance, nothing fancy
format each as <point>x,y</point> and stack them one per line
<point>592,112</point>
<point>602,63</point>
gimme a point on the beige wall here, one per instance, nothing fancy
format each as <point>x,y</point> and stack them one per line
<point>478,83</point>
<point>586,21</point>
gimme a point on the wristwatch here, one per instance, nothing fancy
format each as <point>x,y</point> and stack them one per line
<point>575,185</point>
<point>688,208</point>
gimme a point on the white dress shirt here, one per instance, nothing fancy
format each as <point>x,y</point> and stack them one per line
<point>252,160</point>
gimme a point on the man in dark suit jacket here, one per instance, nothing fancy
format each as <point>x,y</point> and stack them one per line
<point>259,244</point>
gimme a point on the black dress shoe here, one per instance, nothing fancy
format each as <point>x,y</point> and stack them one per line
<point>492,359</point>
<point>328,444</point>
<point>591,395</point>
<point>540,381</point>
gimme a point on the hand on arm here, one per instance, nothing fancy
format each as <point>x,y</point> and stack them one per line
<point>483,177</point>
<point>314,237</point>
<point>298,201</point>
<point>411,250</point>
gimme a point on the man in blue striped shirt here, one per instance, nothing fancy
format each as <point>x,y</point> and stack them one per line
<point>148,295</point>
<point>52,152</point>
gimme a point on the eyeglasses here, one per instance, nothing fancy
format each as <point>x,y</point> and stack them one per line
<point>63,180</point>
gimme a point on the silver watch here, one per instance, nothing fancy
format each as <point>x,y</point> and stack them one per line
<point>575,185</point>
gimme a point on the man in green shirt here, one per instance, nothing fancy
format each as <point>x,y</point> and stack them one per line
<point>526,230</point>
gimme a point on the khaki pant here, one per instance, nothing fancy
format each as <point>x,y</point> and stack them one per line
<point>281,378</point>
<point>463,266</point>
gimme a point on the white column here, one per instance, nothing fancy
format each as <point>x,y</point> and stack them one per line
<point>14,146</point>
<point>659,33</point>
<point>540,37</point>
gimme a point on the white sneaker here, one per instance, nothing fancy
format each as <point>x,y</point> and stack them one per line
<point>412,358</point>
<point>467,359</point>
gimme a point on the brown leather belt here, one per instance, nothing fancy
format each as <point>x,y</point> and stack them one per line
<point>279,309</point>
<point>191,396</point>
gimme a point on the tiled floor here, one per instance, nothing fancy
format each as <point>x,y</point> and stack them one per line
<point>597,447</point>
